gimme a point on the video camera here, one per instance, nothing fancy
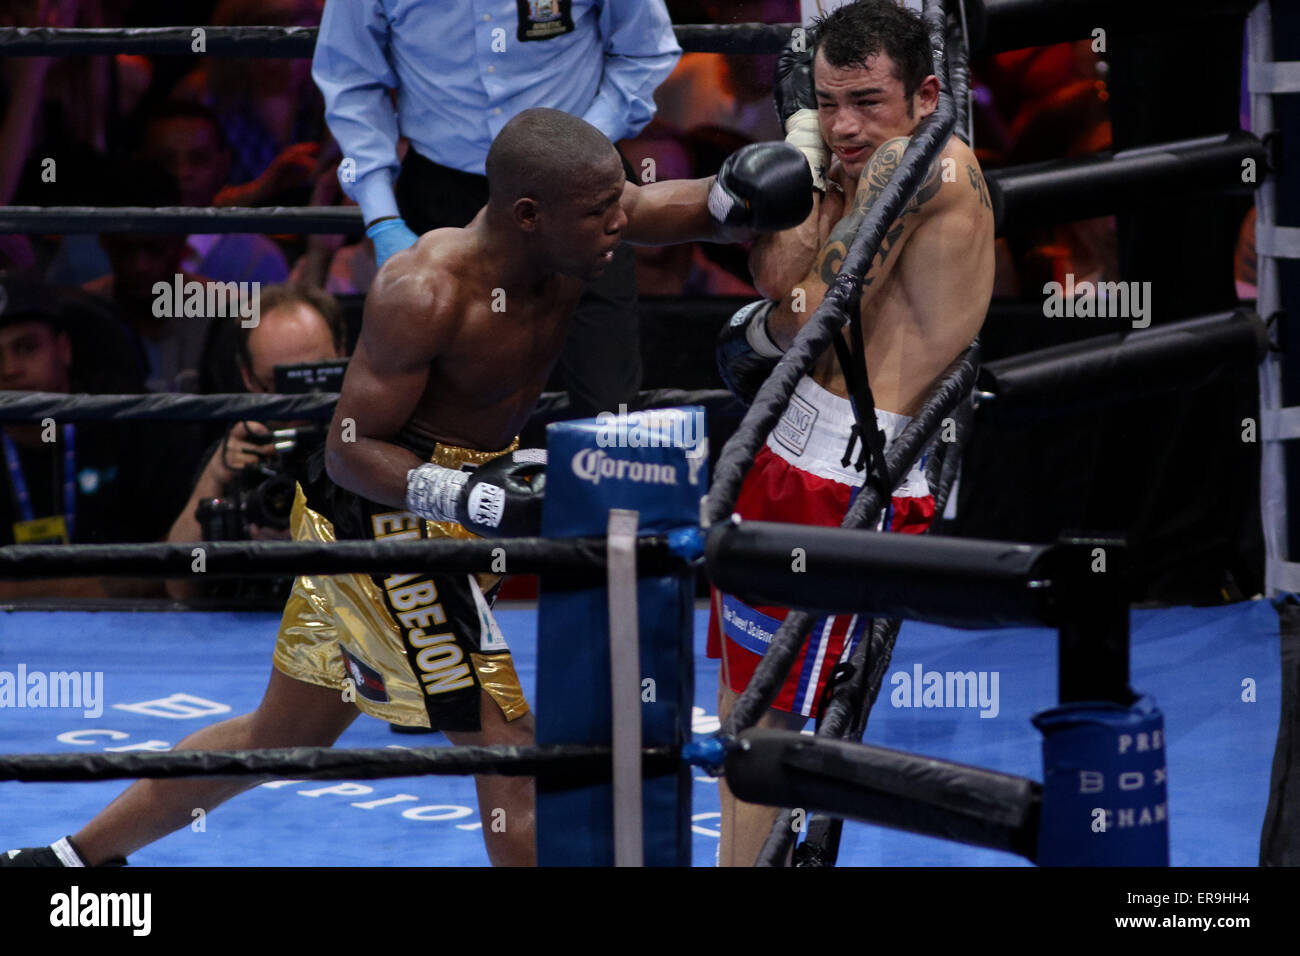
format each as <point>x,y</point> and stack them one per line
<point>263,493</point>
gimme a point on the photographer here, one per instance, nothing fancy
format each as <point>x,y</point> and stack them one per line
<point>297,325</point>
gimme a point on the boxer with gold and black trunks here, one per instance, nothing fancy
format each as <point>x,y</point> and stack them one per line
<point>417,649</point>
<point>460,333</point>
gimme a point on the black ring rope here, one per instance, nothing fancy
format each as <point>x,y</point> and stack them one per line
<point>164,407</point>
<point>300,42</point>
<point>829,317</point>
<point>845,718</point>
<point>855,697</point>
<point>567,763</point>
<point>560,560</point>
<point>773,667</point>
<point>159,220</point>
<point>959,78</point>
<point>738,454</point>
<point>327,763</point>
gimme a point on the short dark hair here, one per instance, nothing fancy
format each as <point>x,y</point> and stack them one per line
<point>180,109</point>
<point>26,298</point>
<point>274,296</point>
<point>849,35</point>
<point>540,152</point>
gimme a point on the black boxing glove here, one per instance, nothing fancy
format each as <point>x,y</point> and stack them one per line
<point>499,499</point>
<point>745,351</point>
<point>796,105</point>
<point>762,186</point>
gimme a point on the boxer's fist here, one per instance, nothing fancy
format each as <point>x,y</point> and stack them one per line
<point>745,351</point>
<point>499,499</point>
<point>796,107</point>
<point>503,498</point>
<point>763,186</point>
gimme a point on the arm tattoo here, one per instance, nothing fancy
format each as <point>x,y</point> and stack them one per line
<point>977,183</point>
<point>873,182</point>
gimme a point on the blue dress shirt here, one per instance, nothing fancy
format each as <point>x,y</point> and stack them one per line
<point>461,72</point>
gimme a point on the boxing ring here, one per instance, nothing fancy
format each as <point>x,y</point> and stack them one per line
<point>972,607</point>
<point>217,660</point>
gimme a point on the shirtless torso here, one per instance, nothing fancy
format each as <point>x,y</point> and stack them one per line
<point>926,293</point>
<point>496,346</point>
<point>462,330</point>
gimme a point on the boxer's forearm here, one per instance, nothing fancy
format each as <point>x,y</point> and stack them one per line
<point>793,310</point>
<point>375,470</point>
<point>778,260</point>
<point>802,300</point>
<point>669,212</point>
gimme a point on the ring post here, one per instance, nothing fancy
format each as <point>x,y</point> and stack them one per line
<point>653,463</point>
<point>1105,794</point>
<point>625,688</point>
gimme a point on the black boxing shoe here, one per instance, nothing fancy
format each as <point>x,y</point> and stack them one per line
<point>59,853</point>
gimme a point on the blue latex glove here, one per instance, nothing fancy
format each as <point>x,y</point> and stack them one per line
<point>389,236</point>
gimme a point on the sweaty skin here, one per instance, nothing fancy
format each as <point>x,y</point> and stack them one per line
<point>461,331</point>
<point>927,290</point>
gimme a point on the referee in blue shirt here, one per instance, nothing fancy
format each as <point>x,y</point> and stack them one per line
<point>462,69</point>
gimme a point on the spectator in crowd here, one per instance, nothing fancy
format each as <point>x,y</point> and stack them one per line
<point>187,140</point>
<point>297,325</point>
<point>268,107</point>
<point>1088,249</point>
<point>74,482</point>
<point>171,346</point>
<point>59,122</point>
<point>330,262</point>
<point>733,91</point>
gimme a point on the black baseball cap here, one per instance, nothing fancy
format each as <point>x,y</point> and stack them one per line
<point>25,299</point>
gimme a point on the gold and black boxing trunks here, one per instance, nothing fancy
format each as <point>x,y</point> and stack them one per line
<point>418,649</point>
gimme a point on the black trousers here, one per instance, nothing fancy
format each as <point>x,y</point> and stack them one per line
<point>601,363</point>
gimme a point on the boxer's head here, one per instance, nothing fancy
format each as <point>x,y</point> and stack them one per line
<point>559,182</point>
<point>873,73</point>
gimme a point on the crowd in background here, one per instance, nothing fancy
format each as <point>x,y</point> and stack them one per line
<point>208,130</point>
<point>131,130</point>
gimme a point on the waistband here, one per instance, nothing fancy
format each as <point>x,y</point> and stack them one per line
<point>818,434</point>
<point>448,456</point>
<point>422,165</point>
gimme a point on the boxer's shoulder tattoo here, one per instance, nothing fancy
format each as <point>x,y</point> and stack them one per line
<point>978,184</point>
<point>880,169</point>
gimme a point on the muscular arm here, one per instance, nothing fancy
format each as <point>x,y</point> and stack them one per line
<point>404,328</point>
<point>668,212</point>
<point>784,321</point>
<point>778,260</point>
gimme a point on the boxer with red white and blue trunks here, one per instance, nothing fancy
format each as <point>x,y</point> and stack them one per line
<point>812,466</point>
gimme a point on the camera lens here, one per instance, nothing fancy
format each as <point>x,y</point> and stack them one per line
<point>270,503</point>
<point>219,520</point>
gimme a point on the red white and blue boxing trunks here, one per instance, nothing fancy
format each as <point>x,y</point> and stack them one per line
<point>809,471</point>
